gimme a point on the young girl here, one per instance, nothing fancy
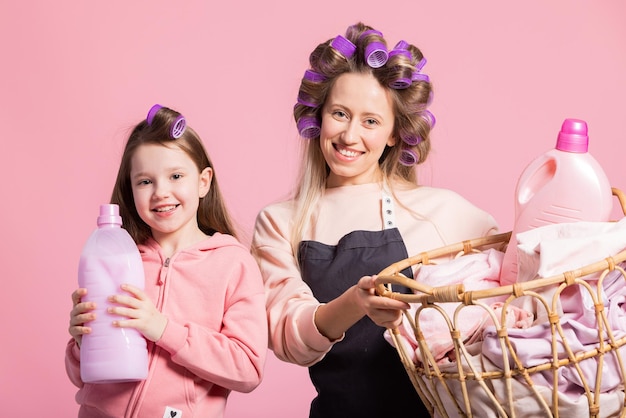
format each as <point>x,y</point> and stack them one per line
<point>362,112</point>
<point>202,310</point>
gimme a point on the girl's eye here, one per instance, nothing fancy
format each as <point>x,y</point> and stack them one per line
<point>177,176</point>
<point>143,182</point>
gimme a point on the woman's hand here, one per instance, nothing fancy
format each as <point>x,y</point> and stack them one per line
<point>81,313</point>
<point>384,312</point>
<point>141,313</point>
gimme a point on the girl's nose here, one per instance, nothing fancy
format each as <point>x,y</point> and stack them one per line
<point>160,191</point>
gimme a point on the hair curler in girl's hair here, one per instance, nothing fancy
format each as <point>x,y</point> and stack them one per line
<point>309,127</point>
<point>343,46</point>
<point>178,127</point>
<point>408,157</point>
<point>153,111</point>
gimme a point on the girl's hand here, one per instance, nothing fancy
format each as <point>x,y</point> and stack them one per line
<point>385,312</point>
<point>141,313</point>
<point>81,313</point>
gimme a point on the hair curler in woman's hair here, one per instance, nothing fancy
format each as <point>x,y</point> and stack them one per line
<point>305,100</point>
<point>343,46</point>
<point>430,118</point>
<point>309,127</point>
<point>421,64</point>
<point>400,83</point>
<point>408,157</point>
<point>178,127</point>
<point>313,76</point>
<point>376,54</point>
<point>412,140</point>
<point>417,76</point>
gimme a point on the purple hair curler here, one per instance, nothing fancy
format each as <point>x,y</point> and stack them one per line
<point>178,127</point>
<point>343,46</point>
<point>376,54</point>
<point>313,76</point>
<point>399,51</point>
<point>429,117</point>
<point>417,76</point>
<point>408,157</point>
<point>421,64</point>
<point>402,45</point>
<point>412,140</point>
<point>305,100</point>
<point>370,32</point>
<point>308,127</point>
<point>400,83</point>
<point>153,111</point>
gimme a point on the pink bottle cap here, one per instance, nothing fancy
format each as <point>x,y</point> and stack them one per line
<point>573,136</point>
<point>109,215</point>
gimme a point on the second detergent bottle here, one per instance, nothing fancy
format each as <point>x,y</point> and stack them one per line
<point>565,184</point>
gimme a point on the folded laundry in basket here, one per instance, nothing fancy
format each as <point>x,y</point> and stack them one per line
<point>553,249</point>
<point>475,271</point>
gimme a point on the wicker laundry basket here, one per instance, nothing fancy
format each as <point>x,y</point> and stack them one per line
<point>468,384</point>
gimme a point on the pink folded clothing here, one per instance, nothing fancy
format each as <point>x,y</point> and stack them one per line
<point>475,271</point>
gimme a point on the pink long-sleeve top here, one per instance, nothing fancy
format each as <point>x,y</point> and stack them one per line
<point>426,217</point>
<point>215,340</point>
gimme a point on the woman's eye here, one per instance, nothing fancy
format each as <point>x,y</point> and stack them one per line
<point>339,114</point>
<point>371,122</point>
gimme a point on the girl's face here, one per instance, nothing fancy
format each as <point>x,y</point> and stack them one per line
<point>167,188</point>
<point>357,124</point>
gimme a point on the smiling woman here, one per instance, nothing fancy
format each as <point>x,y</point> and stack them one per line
<point>362,110</point>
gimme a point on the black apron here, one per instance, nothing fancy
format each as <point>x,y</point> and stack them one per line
<point>362,375</point>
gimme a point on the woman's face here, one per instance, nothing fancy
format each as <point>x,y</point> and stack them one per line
<point>357,125</point>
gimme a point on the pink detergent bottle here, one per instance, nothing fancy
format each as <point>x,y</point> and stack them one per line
<point>565,184</point>
<point>110,258</point>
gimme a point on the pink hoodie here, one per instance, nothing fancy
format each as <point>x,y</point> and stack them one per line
<point>215,340</point>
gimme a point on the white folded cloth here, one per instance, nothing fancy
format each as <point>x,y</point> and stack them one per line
<point>554,249</point>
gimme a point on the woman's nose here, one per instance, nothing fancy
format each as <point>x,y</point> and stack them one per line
<point>351,133</point>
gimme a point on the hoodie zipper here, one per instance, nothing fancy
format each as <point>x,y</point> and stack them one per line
<point>137,396</point>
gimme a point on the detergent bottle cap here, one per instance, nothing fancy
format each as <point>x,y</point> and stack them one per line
<point>109,215</point>
<point>573,136</point>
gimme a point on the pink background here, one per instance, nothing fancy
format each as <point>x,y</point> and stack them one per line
<point>75,76</point>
